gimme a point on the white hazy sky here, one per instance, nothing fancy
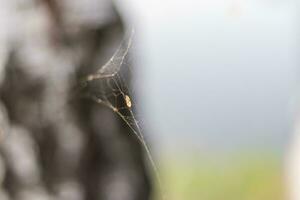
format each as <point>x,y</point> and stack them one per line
<point>216,74</point>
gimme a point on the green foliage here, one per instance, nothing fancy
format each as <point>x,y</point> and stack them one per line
<point>240,178</point>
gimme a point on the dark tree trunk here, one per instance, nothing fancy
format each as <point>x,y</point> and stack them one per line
<point>56,145</point>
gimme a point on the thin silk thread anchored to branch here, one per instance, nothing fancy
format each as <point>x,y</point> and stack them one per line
<point>109,75</point>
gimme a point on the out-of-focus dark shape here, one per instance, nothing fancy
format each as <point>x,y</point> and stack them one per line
<point>54,144</point>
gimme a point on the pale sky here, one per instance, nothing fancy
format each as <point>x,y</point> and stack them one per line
<point>217,74</point>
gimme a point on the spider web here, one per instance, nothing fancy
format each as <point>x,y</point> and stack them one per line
<point>108,88</point>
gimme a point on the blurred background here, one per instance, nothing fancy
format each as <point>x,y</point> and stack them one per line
<point>218,86</point>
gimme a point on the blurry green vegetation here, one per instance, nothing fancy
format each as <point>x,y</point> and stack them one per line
<point>244,177</point>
